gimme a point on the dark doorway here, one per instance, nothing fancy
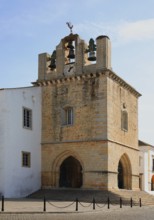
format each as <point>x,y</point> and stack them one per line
<point>70,173</point>
<point>120,176</point>
<point>152,183</point>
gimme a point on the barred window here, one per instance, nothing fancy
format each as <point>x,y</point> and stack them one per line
<point>26,157</point>
<point>124,120</point>
<point>27,118</point>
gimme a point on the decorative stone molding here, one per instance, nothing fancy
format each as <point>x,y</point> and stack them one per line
<point>107,73</point>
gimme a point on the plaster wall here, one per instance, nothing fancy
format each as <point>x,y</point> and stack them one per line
<point>20,181</point>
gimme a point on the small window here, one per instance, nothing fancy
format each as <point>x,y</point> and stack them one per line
<point>67,116</point>
<point>124,120</point>
<point>26,156</point>
<point>27,118</point>
<point>140,160</point>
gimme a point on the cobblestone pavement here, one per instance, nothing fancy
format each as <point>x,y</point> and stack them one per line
<point>144,213</point>
<point>33,210</point>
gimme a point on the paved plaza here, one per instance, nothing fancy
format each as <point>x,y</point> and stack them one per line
<point>144,213</point>
<point>33,210</point>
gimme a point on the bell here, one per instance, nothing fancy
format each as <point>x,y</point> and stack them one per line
<point>92,56</point>
<point>71,54</point>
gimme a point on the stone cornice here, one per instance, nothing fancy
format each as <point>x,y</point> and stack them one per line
<point>91,140</point>
<point>122,83</point>
<point>66,79</point>
<point>108,73</point>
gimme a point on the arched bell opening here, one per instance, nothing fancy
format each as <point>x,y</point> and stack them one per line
<point>70,173</point>
<point>124,173</point>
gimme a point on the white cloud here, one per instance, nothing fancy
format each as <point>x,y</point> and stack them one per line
<point>122,32</point>
<point>139,30</point>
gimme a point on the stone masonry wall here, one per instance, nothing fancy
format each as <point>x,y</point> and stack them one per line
<point>88,99</point>
<point>117,96</point>
<point>95,139</point>
<point>91,155</point>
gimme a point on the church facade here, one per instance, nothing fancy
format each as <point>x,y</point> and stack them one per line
<point>89,118</point>
<point>76,127</point>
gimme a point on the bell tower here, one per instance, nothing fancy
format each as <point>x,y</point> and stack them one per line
<point>73,57</point>
<point>89,117</point>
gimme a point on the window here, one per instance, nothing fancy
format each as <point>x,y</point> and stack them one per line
<point>27,118</point>
<point>67,116</point>
<point>140,160</point>
<point>26,156</point>
<point>124,120</point>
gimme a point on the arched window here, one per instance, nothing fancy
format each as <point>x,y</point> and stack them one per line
<point>124,120</point>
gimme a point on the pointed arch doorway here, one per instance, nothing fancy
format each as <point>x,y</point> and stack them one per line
<point>124,173</point>
<point>70,173</point>
<point>152,183</point>
<point>120,176</point>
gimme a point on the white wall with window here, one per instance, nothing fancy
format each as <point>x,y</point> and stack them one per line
<point>20,139</point>
<point>146,166</point>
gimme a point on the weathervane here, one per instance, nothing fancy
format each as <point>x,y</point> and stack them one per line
<point>70,26</point>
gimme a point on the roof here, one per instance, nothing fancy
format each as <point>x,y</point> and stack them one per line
<point>141,143</point>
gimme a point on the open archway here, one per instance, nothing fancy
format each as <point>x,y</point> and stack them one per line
<point>124,173</point>
<point>152,183</point>
<point>70,173</point>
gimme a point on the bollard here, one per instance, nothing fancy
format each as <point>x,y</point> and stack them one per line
<point>2,209</point>
<point>76,204</point>
<point>93,203</point>
<point>140,203</point>
<point>44,204</point>
<point>131,203</point>
<point>120,202</point>
<point>108,203</point>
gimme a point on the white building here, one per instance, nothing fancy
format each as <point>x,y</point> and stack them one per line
<point>20,138</point>
<point>146,166</point>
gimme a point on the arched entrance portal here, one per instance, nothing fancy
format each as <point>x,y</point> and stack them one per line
<point>152,183</point>
<point>70,173</point>
<point>124,173</point>
<point>120,176</point>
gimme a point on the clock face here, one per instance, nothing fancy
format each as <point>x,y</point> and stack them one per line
<point>69,69</point>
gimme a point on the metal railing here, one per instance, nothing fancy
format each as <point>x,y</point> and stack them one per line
<point>76,203</point>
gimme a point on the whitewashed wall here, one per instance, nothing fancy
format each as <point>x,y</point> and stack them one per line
<point>147,154</point>
<point>15,180</point>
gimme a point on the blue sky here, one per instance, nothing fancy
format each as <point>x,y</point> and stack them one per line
<point>30,27</point>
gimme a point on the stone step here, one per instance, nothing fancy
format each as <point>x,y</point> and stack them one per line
<point>99,195</point>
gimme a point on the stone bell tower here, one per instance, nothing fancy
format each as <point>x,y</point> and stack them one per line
<point>89,118</point>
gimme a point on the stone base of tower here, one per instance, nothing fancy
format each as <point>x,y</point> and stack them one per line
<point>89,165</point>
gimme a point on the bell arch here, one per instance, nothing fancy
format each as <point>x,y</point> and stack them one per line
<point>124,173</point>
<point>61,168</point>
